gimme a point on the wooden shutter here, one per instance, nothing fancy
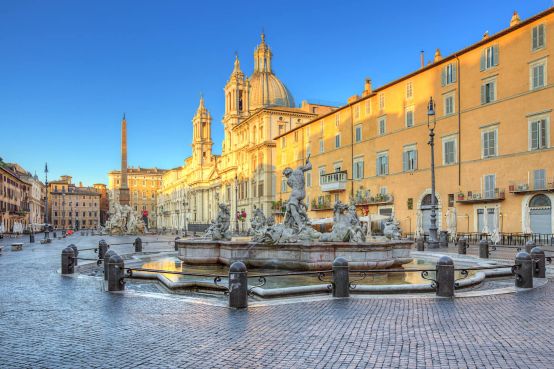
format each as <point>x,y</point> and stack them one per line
<point>483,60</point>
<point>454,71</point>
<point>540,38</point>
<point>415,160</point>
<point>535,37</point>
<point>443,77</point>
<point>377,166</point>
<point>496,53</point>
<point>542,133</point>
<point>405,161</point>
<point>483,98</point>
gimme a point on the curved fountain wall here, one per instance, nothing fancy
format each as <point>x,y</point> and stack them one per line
<point>296,256</point>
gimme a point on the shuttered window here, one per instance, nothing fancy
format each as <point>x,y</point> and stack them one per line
<point>488,91</point>
<point>409,159</point>
<point>358,169</point>
<point>538,38</point>
<point>448,75</point>
<point>382,164</point>
<point>358,133</point>
<point>537,74</point>
<point>490,184</point>
<point>489,138</point>
<point>382,126</point>
<point>539,179</point>
<point>490,57</point>
<point>409,117</point>
<point>449,151</point>
<point>538,134</point>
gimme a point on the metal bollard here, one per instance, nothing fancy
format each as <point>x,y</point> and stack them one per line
<point>238,285</point>
<point>523,270</point>
<point>445,277</point>
<point>107,256</point>
<point>67,260</point>
<point>484,249</point>
<point>54,234</point>
<point>76,254</point>
<point>176,238</point>
<point>116,273</point>
<point>341,281</point>
<point>539,262</point>
<point>138,244</point>
<point>420,244</point>
<point>31,237</point>
<point>102,248</point>
<point>443,239</point>
<point>529,245</point>
<point>462,246</point>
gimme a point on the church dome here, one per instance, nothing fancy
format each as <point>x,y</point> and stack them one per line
<point>265,88</point>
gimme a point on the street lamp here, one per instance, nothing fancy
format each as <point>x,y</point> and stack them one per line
<point>185,204</point>
<point>236,204</point>
<point>63,213</point>
<point>46,229</point>
<point>431,124</point>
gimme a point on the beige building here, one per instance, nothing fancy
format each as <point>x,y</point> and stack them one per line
<point>257,108</point>
<point>493,142</point>
<point>143,184</point>
<point>73,207</point>
<point>15,194</point>
<point>36,197</point>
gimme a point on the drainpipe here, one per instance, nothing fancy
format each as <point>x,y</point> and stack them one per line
<point>352,151</point>
<point>459,123</point>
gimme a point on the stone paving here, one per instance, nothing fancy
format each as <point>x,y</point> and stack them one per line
<point>51,321</point>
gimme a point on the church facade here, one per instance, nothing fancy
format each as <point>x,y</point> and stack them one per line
<point>257,109</point>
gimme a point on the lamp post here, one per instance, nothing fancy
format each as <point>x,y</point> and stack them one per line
<point>63,214</point>
<point>431,123</point>
<point>185,204</point>
<point>236,204</point>
<point>46,229</point>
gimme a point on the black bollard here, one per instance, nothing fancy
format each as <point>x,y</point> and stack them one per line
<point>420,244</point>
<point>238,285</point>
<point>67,260</point>
<point>102,248</point>
<point>341,281</point>
<point>524,270</point>
<point>484,249</point>
<point>462,246</point>
<point>138,244</point>
<point>54,234</point>
<point>75,254</point>
<point>443,239</point>
<point>107,256</point>
<point>529,245</point>
<point>31,237</point>
<point>116,273</point>
<point>176,238</point>
<point>445,277</point>
<point>539,262</point>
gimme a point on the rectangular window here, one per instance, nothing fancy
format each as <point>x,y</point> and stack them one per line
<point>308,178</point>
<point>357,111</point>
<point>367,107</point>
<point>538,133</point>
<point>358,133</point>
<point>448,75</point>
<point>489,142</point>
<point>337,141</point>
<point>539,37</point>
<point>450,200</point>
<point>489,57</point>
<point>337,119</point>
<point>409,117</point>
<point>490,185</point>
<point>284,184</point>
<point>539,179</point>
<point>449,150</point>
<point>488,91</point>
<point>308,150</point>
<point>382,125</point>
<point>382,164</point>
<point>409,90</point>
<point>537,74</point>
<point>321,146</point>
<point>358,168</point>
<point>409,158</point>
<point>321,171</point>
<point>449,104</point>
<point>381,101</point>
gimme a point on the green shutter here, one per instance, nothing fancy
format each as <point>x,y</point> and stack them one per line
<point>540,40</point>
<point>443,77</point>
<point>405,161</point>
<point>483,59</point>
<point>483,92</point>
<point>496,59</point>
<point>454,71</point>
<point>535,37</point>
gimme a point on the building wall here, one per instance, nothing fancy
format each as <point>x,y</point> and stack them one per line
<point>14,199</point>
<point>73,207</point>
<point>515,106</point>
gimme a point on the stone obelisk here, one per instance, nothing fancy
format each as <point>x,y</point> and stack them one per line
<point>124,196</point>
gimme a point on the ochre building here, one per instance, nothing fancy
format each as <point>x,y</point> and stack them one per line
<point>493,142</point>
<point>257,109</point>
<point>73,207</point>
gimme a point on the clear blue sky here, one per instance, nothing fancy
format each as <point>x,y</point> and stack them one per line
<point>69,69</point>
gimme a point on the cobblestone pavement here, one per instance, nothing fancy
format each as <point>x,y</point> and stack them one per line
<point>51,321</point>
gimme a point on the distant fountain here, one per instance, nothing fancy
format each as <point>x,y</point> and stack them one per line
<point>123,219</point>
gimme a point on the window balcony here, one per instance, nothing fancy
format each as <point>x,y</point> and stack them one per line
<point>333,182</point>
<point>378,199</point>
<point>473,197</point>
<point>521,188</point>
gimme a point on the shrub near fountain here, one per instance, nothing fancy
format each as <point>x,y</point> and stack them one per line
<point>294,244</point>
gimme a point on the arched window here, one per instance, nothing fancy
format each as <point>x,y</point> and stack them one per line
<point>539,201</point>
<point>427,200</point>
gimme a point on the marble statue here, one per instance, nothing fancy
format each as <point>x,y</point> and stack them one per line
<point>258,224</point>
<point>219,229</point>
<point>392,230</point>
<point>123,219</point>
<point>296,226</point>
<point>346,225</point>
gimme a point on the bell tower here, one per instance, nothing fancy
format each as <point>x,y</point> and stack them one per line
<point>202,134</point>
<point>236,95</point>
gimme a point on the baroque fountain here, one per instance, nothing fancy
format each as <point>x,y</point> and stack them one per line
<point>295,244</point>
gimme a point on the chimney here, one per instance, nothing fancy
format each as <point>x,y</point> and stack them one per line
<point>438,56</point>
<point>486,35</point>
<point>515,19</point>
<point>367,87</point>
<point>422,58</point>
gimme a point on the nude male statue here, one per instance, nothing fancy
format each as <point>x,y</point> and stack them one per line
<point>295,206</point>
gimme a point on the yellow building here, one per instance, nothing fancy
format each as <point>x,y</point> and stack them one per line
<point>143,184</point>
<point>493,154</point>
<point>73,207</point>
<point>257,108</point>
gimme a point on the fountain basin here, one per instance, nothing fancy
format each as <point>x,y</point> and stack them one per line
<point>296,256</point>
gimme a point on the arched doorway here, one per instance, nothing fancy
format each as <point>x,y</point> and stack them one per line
<point>426,207</point>
<point>540,213</point>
